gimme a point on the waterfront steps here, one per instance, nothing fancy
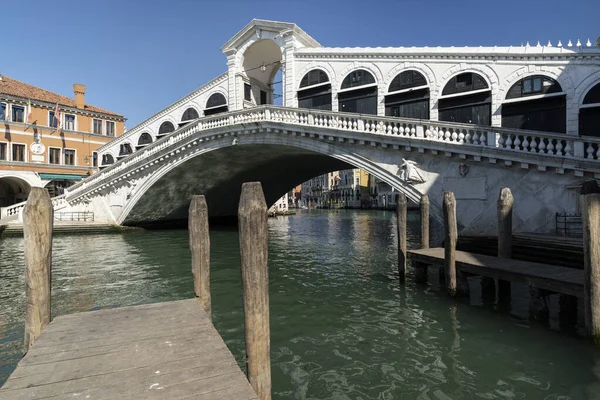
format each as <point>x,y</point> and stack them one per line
<point>553,278</point>
<point>155,351</point>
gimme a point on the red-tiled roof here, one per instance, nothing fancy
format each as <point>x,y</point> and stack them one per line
<point>17,88</point>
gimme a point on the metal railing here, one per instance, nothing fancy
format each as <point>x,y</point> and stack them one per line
<point>569,224</point>
<point>85,216</point>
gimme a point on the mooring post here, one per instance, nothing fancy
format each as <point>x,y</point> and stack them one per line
<point>590,205</point>
<point>200,249</point>
<point>38,221</point>
<point>253,230</point>
<point>401,206</point>
<point>421,268</point>
<point>505,208</point>
<point>450,235</point>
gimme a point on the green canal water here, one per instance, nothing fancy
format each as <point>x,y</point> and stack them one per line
<point>341,325</point>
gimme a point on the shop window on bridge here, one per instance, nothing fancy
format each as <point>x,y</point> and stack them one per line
<point>165,128</point>
<point>589,113</point>
<point>144,140</point>
<point>216,103</point>
<point>535,103</point>
<point>125,149</point>
<point>466,98</point>
<point>188,116</point>
<point>358,93</point>
<point>315,91</point>
<point>107,159</point>
<point>408,96</point>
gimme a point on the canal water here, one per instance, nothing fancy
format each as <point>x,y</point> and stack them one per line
<point>341,325</point>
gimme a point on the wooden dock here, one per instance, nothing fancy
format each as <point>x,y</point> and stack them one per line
<point>156,351</point>
<point>543,276</point>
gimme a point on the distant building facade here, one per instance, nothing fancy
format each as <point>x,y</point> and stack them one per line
<point>349,188</point>
<point>49,140</point>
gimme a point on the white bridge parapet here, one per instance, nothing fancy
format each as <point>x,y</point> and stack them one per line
<point>548,152</point>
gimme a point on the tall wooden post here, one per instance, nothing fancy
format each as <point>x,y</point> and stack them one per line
<point>401,206</point>
<point>252,220</point>
<point>450,236</point>
<point>590,205</point>
<point>200,249</point>
<point>505,208</point>
<point>424,205</point>
<point>38,221</point>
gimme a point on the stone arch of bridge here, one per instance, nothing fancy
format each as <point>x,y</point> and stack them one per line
<point>340,154</point>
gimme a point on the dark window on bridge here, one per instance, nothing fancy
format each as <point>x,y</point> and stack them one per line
<point>216,104</point>
<point>546,113</point>
<point>589,113</point>
<point>363,98</point>
<point>247,92</point>
<point>263,97</point>
<point>144,139</point>
<point>188,115</point>
<point>165,127</point>
<point>125,149</point>
<point>463,106</point>
<point>412,101</point>
<point>107,159</point>
<point>317,94</point>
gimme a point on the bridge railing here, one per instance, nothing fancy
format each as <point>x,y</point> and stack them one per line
<point>503,139</point>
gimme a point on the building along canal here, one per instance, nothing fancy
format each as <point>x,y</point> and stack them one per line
<point>342,327</point>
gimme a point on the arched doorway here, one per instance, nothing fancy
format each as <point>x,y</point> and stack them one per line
<point>408,96</point>
<point>466,98</point>
<point>262,62</point>
<point>13,190</point>
<point>216,103</point>
<point>358,93</point>
<point>589,113</point>
<point>315,91</point>
<point>536,103</point>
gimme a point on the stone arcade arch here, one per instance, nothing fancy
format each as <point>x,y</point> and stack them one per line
<point>315,91</point>
<point>261,62</point>
<point>107,159</point>
<point>165,128</point>
<point>358,93</point>
<point>216,103</point>
<point>144,140</point>
<point>408,96</point>
<point>589,113</point>
<point>536,102</point>
<point>466,98</point>
<point>13,190</point>
<point>188,116</point>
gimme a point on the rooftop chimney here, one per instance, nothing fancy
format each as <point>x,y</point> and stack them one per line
<point>79,94</point>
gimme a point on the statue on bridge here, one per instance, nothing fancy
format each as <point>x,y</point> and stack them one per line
<point>410,173</point>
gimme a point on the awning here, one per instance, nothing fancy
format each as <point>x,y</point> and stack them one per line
<point>66,177</point>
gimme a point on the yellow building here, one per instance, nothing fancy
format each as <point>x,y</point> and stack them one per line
<point>48,140</point>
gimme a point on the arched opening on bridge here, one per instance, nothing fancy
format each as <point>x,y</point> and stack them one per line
<point>165,128</point>
<point>589,113</point>
<point>262,63</point>
<point>315,91</point>
<point>536,103</point>
<point>215,104</point>
<point>107,159</point>
<point>13,190</point>
<point>408,96</point>
<point>358,93</point>
<point>188,116</point>
<point>124,150</point>
<point>466,98</point>
<point>144,140</point>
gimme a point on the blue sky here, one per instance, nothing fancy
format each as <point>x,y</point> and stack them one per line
<point>136,57</point>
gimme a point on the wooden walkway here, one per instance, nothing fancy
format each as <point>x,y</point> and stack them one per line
<point>544,276</point>
<point>156,351</point>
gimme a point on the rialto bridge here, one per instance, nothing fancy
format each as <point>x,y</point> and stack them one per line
<point>471,120</point>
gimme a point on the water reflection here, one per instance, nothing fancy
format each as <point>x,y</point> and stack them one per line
<point>342,326</point>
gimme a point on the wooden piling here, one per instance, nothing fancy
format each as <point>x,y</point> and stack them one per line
<point>505,207</point>
<point>253,231</point>
<point>38,221</point>
<point>401,207</point>
<point>200,249</point>
<point>424,206</point>
<point>590,206</point>
<point>450,236</point>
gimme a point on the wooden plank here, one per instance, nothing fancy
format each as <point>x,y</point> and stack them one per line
<point>544,276</point>
<point>159,351</point>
